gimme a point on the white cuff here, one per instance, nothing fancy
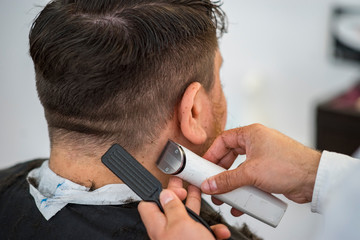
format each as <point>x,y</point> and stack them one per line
<point>332,168</point>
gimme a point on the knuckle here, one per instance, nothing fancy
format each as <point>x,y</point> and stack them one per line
<point>257,128</point>
<point>194,197</point>
<point>223,139</point>
<point>257,125</point>
<point>154,233</point>
<point>171,206</point>
<point>246,174</point>
<point>228,181</point>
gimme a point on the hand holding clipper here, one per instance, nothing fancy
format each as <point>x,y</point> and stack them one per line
<point>179,161</point>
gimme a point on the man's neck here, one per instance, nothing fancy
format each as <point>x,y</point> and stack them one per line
<point>87,170</point>
<point>82,164</point>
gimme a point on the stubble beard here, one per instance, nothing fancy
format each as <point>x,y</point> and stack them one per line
<point>218,113</point>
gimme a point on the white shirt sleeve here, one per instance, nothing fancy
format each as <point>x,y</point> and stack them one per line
<point>333,167</point>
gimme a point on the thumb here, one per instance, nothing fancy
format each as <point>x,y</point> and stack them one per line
<point>225,181</point>
<point>174,209</point>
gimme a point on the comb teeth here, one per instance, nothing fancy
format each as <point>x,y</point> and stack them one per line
<point>132,173</point>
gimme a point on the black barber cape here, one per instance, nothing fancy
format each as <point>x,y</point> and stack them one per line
<point>20,218</point>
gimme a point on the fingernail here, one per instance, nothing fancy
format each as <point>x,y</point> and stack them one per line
<point>213,185</point>
<point>209,185</point>
<point>166,196</point>
<point>205,186</point>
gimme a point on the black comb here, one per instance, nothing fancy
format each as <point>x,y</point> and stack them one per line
<point>132,173</point>
<point>140,180</point>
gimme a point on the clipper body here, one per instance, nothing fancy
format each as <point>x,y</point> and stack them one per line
<point>179,161</point>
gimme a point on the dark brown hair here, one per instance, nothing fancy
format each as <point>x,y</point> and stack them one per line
<point>113,70</point>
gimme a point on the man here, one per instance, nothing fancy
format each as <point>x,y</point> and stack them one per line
<point>134,73</point>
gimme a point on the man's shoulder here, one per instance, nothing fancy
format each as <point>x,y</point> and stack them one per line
<point>91,221</point>
<point>22,166</point>
<point>17,172</point>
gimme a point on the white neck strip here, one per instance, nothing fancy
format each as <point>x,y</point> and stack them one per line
<point>52,192</point>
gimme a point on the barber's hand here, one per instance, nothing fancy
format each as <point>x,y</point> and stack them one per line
<point>274,163</point>
<point>176,223</point>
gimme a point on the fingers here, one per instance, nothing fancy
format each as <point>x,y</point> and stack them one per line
<point>216,201</point>
<point>151,213</point>
<point>226,181</point>
<point>231,140</point>
<point>176,185</point>
<point>221,231</point>
<point>175,182</point>
<point>193,195</point>
<point>174,209</point>
<point>235,212</point>
<point>228,159</point>
<point>193,200</point>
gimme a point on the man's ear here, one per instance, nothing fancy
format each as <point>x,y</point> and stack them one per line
<point>192,112</point>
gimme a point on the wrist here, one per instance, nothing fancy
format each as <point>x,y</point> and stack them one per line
<point>313,160</point>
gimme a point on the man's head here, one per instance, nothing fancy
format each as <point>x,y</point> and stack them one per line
<point>117,70</point>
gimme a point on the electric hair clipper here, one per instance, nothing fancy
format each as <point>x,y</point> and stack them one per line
<point>181,162</point>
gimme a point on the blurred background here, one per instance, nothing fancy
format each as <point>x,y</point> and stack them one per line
<point>291,65</point>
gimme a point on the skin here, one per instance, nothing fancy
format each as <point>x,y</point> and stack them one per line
<point>175,222</point>
<point>274,163</point>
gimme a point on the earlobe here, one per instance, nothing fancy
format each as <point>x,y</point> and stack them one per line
<point>191,113</point>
